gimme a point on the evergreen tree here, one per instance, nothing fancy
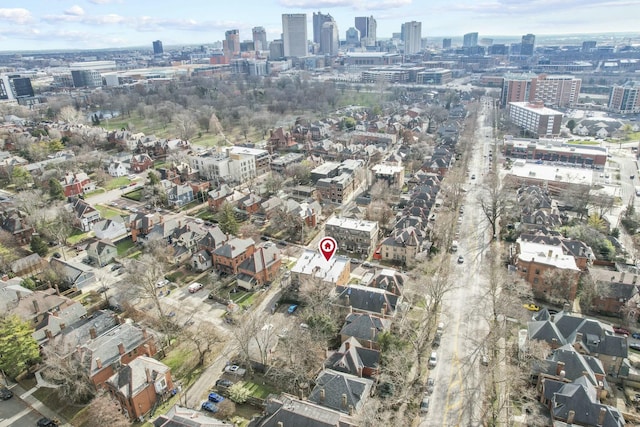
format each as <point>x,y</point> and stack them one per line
<point>38,245</point>
<point>18,348</point>
<point>56,191</point>
<point>228,222</point>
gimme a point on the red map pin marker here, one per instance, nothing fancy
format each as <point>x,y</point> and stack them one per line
<point>328,247</point>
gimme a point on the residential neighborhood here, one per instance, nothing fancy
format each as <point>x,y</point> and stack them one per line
<point>321,232</point>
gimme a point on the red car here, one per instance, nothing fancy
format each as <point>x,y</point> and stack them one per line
<point>622,331</point>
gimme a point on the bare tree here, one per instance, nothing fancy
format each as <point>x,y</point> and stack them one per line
<point>185,125</point>
<point>255,337</point>
<point>62,367</point>
<point>205,338</point>
<point>71,115</point>
<point>143,274</point>
<point>494,201</point>
<point>104,410</point>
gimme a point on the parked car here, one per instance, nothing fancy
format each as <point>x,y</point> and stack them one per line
<point>436,341</point>
<point>161,283</point>
<point>634,346</point>
<point>215,397</point>
<point>430,385</point>
<point>195,287</point>
<point>292,308</point>
<point>424,405</point>
<point>46,422</point>
<point>115,267</point>
<point>636,335</point>
<point>460,259</point>
<point>57,255</point>
<point>620,330</point>
<point>209,407</point>
<point>531,307</point>
<point>5,394</point>
<point>224,383</point>
<point>433,360</point>
<point>235,369</point>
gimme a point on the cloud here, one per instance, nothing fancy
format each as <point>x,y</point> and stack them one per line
<point>508,7</point>
<point>353,4</point>
<point>16,15</point>
<point>74,10</point>
<point>105,1</point>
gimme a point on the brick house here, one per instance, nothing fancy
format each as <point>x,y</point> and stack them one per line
<point>365,328</point>
<point>616,290</point>
<point>228,257</point>
<point>261,267</point>
<point>74,184</point>
<point>16,225</point>
<point>139,384</point>
<point>250,203</point>
<point>141,162</point>
<point>103,355</point>
<point>353,235</point>
<point>354,359</point>
<point>218,196</point>
<point>538,263</point>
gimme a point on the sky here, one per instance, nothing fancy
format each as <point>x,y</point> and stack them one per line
<point>92,24</point>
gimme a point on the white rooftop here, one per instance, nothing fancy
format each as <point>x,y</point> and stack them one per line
<point>384,169</point>
<point>313,263</point>
<point>536,109</point>
<point>546,254</point>
<point>353,224</point>
<point>543,172</point>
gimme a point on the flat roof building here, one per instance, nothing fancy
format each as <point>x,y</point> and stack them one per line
<point>535,118</point>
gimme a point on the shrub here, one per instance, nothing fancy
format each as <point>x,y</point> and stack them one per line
<point>238,393</point>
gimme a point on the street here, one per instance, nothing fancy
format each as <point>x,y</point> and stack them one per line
<point>458,394</point>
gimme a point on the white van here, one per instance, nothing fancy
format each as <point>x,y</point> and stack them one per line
<point>195,287</point>
<point>433,360</point>
<point>440,328</point>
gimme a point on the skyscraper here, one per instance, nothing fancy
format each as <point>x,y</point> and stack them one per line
<point>231,43</point>
<point>412,37</point>
<point>352,36</point>
<point>319,19</point>
<point>367,27</point>
<point>470,40</point>
<point>276,50</point>
<point>294,34</point>
<point>259,38</point>
<point>157,48</point>
<point>528,45</point>
<point>446,43</point>
<point>329,43</point>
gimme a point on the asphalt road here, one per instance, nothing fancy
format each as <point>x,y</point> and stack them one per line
<point>15,412</point>
<point>458,392</point>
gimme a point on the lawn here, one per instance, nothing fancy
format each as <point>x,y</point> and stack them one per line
<point>257,390</point>
<point>96,191</point>
<point>134,195</point>
<point>50,399</point>
<point>106,212</point>
<point>117,183</point>
<point>243,298</point>
<point>583,142</point>
<point>124,245</point>
<point>78,236</point>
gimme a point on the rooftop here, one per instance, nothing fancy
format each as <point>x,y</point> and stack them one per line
<point>536,108</point>
<point>353,224</point>
<point>546,254</point>
<point>312,263</point>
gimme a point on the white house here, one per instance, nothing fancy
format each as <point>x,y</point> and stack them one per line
<point>118,169</point>
<point>110,229</point>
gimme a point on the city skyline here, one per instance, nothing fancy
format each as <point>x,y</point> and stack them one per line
<point>96,24</point>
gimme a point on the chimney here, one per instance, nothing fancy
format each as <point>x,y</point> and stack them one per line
<point>121,348</point>
<point>360,371</point>
<point>579,337</point>
<point>622,277</point>
<point>563,374</point>
<point>374,331</point>
<point>601,415</point>
<point>57,289</point>
<point>383,311</point>
<point>552,318</point>
<point>347,301</point>
<point>322,395</point>
<point>351,411</point>
<point>148,373</point>
<point>48,333</point>
<point>36,306</point>
<point>92,333</point>
<point>559,367</point>
<point>62,326</point>
<point>98,363</point>
<point>570,417</point>
<point>635,279</point>
<point>145,334</point>
<point>550,253</point>
<point>280,424</point>
<point>347,345</point>
<point>344,401</point>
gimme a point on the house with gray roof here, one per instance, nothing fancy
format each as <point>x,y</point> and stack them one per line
<point>578,403</point>
<point>112,228</point>
<point>365,299</point>
<point>365,328</point>
<point>261,267</point>
<point>352,358</point>
<point>286,410</point>
<point>228,257</point>
<point>102,252</point>
<point>588,336</point>
<point>178,416</point>
<point>340,391</point>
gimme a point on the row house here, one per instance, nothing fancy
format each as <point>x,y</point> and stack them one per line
<point>403,245</point>
<point>618,293</point>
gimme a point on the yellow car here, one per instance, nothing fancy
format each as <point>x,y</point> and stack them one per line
<point>531,307</point>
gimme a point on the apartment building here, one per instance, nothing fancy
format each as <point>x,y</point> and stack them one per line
<point>625,99</point>
<point>536,118</point>
<point>353,235</point>
<point>238,164</point>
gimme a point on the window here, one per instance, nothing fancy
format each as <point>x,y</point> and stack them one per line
<point>537,271</point>
<point>535,281</point>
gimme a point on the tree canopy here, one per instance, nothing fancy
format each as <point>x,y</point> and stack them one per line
<point>18,348</point>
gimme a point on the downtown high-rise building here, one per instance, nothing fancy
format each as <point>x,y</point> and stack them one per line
<point>625,99</point>
<point>552,90</point>
<point>231,43</point>
<point>157,48</point>
<point>527,46</point>
<point>318,20</point>
<point>259,38</point>
<point>446,43</point>
<point>470,40</point>
<point>294,34</point>
<point>329,38</point>
<point>412,33</point>
<point>352,36</point>
<point>367,27</point>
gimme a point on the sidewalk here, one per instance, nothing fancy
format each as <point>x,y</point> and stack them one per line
<point>33,403</point>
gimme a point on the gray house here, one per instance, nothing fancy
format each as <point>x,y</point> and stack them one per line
<point>102,252</point>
